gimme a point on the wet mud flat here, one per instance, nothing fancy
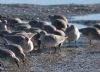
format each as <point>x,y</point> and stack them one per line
<point>29,11</point>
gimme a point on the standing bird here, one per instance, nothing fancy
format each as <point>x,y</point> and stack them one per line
<point>51,40</point>
<point>72,33</point>
<point>91,33</point>
<point>7,56</point>
<point>60,33</point>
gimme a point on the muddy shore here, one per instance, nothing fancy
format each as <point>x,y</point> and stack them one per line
<point>84,58</point>
<point>29,11</point>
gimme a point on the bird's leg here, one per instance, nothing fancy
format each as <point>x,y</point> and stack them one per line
<point>1,66</point>
<point>24,61</point>
<point>17,64</point>
<point>55,50</point>
<point>50,50</point>
<point>69,44</point>
<point>60,46</point>
<point>39,44</point>
<point>76,43</point>
<point>90,42</point>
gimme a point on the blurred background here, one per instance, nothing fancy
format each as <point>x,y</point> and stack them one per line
<point>51,2</point>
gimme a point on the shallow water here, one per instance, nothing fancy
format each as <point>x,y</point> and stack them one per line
<point>51,2</point>
<point>79,26</point>
<point>87,17</point>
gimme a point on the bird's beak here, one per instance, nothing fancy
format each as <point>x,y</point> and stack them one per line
<point>17,64</point>
<point>23,61</point>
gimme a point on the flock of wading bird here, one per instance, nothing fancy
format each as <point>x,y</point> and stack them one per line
<point>19,39</point>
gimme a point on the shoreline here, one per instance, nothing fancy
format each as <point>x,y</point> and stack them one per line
<point>29,11</point>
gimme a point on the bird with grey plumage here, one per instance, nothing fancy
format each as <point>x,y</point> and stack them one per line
<point>37,24</point>
<point>8,57</point>
<point>23,33</point>
<point>35,38</point>
<point>20,26</point>
<point>49,28</point>
<point>36,42</point>
<point>3,17</point>
<point>50,40</point>
<point>33,30</point>
<point>13,21</point>
<point>17,49</point>
<point>18,20</point>
<point>3,25</point>
<point>97,25</point>
<point>72,33</point>
<point>54,17</point>
<point>7,32</point>
<point>91,33</point>
<point>2,32</point>
<point>24,41</point>
<point>59,32</point>
<point>60,24</point>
